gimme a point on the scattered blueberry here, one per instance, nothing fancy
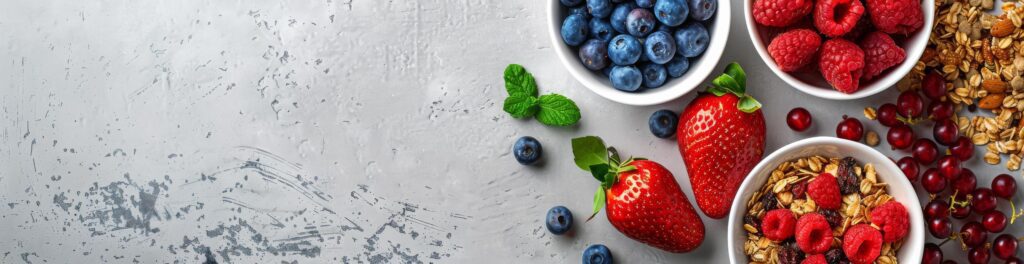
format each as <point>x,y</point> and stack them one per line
<point>671,12</point>
<point>660,47</point>
<point>654,75</point>
<point>597,254</point>
<point>624,50</point>
<point>618,17</point>
<point>574,30</point>
<point>559,220</point>
<point>677,66</point>
<point>692,39</point>
<point>640,22</point>
<point>594,54</point>
<point>645,3</point>
<point>663,123</point>
<point>580,11</point>
<point>599,8</point>
<point>702,10</point>
<point>601,30</point>
<point>571,3</point>
<point>527,150</point>
<point>626,78</point>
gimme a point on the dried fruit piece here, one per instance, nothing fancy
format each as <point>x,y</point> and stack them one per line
<point>789,253</point>
<point>832,217</point>
<point>847,176</point>
<point>781,13</point>
<point>794,49</point>
<point>896,16</point>
<point>837,17</point>
<point>842,64</point>
<point>880,54</point>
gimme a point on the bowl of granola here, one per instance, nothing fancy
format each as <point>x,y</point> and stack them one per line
<point>827,198</point>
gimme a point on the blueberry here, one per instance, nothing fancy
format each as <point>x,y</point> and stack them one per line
<point>692,39</point>
<point>645,3</point>
<point>660,47</point>
<point>601,30</point>
<point>654,75</point>
<point>626,78</point>
<point>559,220</point>
<point>527,150</point>
<point>663,123</point>
<point>702,10</point>
<point>594,54</point>
<point>599,8</point>
<point>580,11</point>
<point>574,30</point>
<point>571,3</point>
<point>607,71</point>
<point>618,17</point>
<point>624,50</point>
<point>671,12</point>
<point>597,254</point>
<point>677,66</point>
<point>640,22</point>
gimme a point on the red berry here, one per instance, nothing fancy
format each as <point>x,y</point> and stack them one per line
<point>841,62</point>
<point>994,221</point>
<point>934,86</point>
<point>850,129</point>
<point>815,259</point>
<point>936,208</point>
<point>909,167</point>
<point>1014,260</point>
<point>983,200</point>
<point>925,151</point>
<point>900,136</point>
<point>978,255</point>
<point>1004,186</point>
<point>880,54</point>
<point>965,184</point>
<point>961,212</point>
<point>973,234</point>
<point>962,148</point>
<point>909,104</point>
<point>886,115</point>
<point>945,132</point>
<point>932,181</point>
<point>778,224</point>
<point>940,227</point>
<point>932,254</point>
<point>794,49</point>
<point>781,13</point>
<point>824,190</point>
<point>813,234</point>
<point>1005,246</point>
<point>896,16</point>
<point>835,18</point>
<point>798,119</point>
<point>938,110</point>
<point>862,244</point>
<point>892,218</point>
<point>949,167</point>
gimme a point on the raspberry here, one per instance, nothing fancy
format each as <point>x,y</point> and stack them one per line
<point>824,189</point>
<point>815,259</point>
<point>835,18</point>
<point>892,218</point>
<point>794,49</point>
<point>896,16</point>
<point>880,53</point>
<point>862,244</point>
<point>781,13</point>
<point>778,224</point>
<point>813,234</point>
<point>841,63</point>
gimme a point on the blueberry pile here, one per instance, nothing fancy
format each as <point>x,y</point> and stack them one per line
<point>638,43</point>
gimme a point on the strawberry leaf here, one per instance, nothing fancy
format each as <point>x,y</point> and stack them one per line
<point>588,151</point>
<point>599,171</point>
<point>748,104</point>
<point>598,202</point>
<point>609,180</point>
<point>627,168</point>
<point>737,74</point>
<point>729,84</point>
<point>717,91</point>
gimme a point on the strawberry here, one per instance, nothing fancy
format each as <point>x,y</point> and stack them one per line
<point>721,138</point>
<point>643,199</point>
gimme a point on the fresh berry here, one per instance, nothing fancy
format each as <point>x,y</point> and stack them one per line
<point>862,244</point>
<point>794,49</point>
<point>798,119</point>
<point>925,151</point>
<point>678,66</point>
<point>936,208</point>
<point>945,132</point>
<point>654,75</point>
<point>594,54</point>
<point>978,255</point>
<point>571,3</point>
<point>582,10</point>
<point>1013,260</point>
<point>909,167</point>
<point>702,10</point>
<point>1004,186</point>
<point>640,22</point>
<point>983,200</point>
<point>527,150</point>
<point>973,234</point>
<point>965,184</point>
<point>601,30</point>
<point>896,16</point>
<point>673,12</point>
<point>781,13</point>
<point>932,181</point>
<point>900,136</point>
<point>778,224</point>
<point>938,110</point>
<point>960,212</point>
<point>940,227</point>
<point>880,54</point>
<point>932,254</point>
<point>574,30</point>
<point>692,39</point>
<point>618,16</point>
<point>835,255</point>
<point>626,78</point>
<point>824,189</point>
<point>1004,246</point>
<point>962,149</point>
<point>831,216</point>
<point>663,123</point>
<point>994,221</point>
<point>624,50</point>
<point>850,129</point>
<point>886,115</point>
<point>841,63</point>
<point>645,3</point>
<point>847,176</point>
<point>892,218</point>
<point>815,259</point>
<point>813,234</point>
<point>933,85</point>
<point>597,254</point>
<point>949,167</point>
<point>835,18</point>
<point>660,47</point>
<point>599,8</point>
<point>559,220</point>
<point>909,104</point>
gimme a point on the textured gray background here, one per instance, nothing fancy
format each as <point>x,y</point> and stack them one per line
<point>312,131</point>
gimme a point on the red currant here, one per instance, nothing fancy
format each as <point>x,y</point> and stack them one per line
<point>900,136</point>
<point>962,148</point>
<point>983,200</point>
<point>933,85</point>
<point>850,128</point>
<point>798,119</point>
<point>909,104</point>
<point>932,254</point>
<point>925,151</point>
<point>887,115</point>
<point>949,166</point>
<point>1005,246</point>
<point>945,132</point>
<point>965,184</point>
<point>940,227</point>
<point>936,208</point>
<point>994,221</point>
<point>938,110</point>
<point>961,212</point>
<point>909,167</point>
<point>973,234</point>
<point>1004,186</point>
<point>932,181</point>
<point>978,255</point>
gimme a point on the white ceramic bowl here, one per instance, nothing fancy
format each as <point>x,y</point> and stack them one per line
<point>812,82</point>
<point>674,88</point>
<point>899,188</point>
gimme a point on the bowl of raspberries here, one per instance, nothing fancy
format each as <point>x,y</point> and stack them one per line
<point>826,200</point>
<point>840,49</point>
<point>639,52</point>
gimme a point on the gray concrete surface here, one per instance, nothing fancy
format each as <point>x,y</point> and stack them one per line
<point>312,132</point>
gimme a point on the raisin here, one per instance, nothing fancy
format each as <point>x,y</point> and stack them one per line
<point>848,180</point>
<point>835,255</point>
<point>769,202</point>
<point>799,190</point>
<point>832,217</point>
<point>753,221</point>
<point>789,253</point>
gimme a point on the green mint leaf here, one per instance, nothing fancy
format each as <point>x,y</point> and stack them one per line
<point>589,151</point>
<point>519,81</point>
<point>556,110</point>
<point>737,74</point>
<point>609,179</point>
<point>520,106</point>
<point>598,202</point>
<point>727,83</point>
<point>748,104</point>
<point>599,170</point>
<point>717,91</point>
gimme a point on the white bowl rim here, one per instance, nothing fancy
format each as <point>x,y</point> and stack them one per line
<point>890,78</point>
<point>674,88</point>
<point>736,255</point>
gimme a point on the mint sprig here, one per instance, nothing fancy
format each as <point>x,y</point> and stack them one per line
<point>734,81</point>
<point>590,154</point>
<point>522,101</point>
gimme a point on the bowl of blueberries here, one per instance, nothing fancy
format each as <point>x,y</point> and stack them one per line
<point>639,52</point>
